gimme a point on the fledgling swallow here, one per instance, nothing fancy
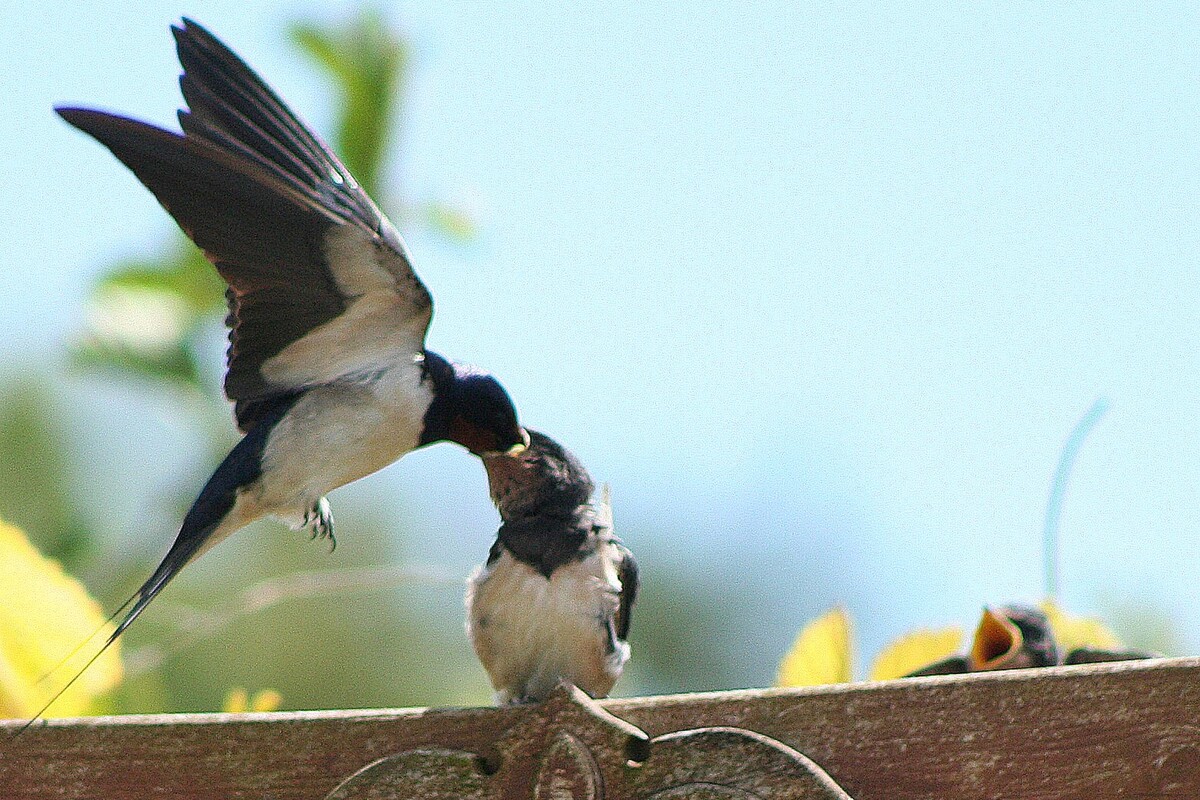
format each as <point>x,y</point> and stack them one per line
<point>327,366</point>
<point>553,601</point>
<point>1018,637</point>
<point>1007,637</point>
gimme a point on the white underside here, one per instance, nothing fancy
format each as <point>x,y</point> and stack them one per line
<point>532,633</point>
<point>367,403</point>
<point>364,403</point>
<point>332,436</point>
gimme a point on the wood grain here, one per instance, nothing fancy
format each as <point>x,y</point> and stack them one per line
<point>1067,733</point>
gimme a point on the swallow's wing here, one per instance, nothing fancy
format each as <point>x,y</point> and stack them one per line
<point>627,571</point>
<point>320,283</point>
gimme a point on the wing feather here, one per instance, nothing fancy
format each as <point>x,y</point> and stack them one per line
<point>627,572</point>
<point>312,265</point>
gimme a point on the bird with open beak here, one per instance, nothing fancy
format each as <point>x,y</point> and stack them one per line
<point>553,601</point>
<point>1018,637</point>
<point>327,366</point>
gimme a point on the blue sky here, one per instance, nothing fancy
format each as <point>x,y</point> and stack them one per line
<point>804,282</point>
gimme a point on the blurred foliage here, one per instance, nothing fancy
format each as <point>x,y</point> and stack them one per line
<point>35,482</point>
<point>680,634</point>
<point>368,63</point>
<point>450,221</point>
<point>45,615</point>
<point>144,318</point>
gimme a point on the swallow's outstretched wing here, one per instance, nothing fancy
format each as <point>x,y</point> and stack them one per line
<point>321,287</point>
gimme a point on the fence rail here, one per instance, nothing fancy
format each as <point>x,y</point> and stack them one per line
<point>1123,730</point>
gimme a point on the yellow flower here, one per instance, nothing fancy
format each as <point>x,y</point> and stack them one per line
<point>1071,632</point>
<point>44,615</point>
<point>821,653</point>
<point>238,701</point>
<point>915,650</point>
<point>824,652</point>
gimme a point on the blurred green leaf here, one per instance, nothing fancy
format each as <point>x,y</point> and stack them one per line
<point>451,221</point>
<point>185,274</point>
<point>175,365</point>
<point>144,316</point>
<point>35,480</point>
<point>678,652</point>
<point>367,61</point>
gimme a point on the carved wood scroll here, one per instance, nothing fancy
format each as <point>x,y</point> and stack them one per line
<point>571,749</point>
<point>1065,733</point>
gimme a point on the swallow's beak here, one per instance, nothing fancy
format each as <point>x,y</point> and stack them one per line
<point>519,447</point>
<point>512,452</point>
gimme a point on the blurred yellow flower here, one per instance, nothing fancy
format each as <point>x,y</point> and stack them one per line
<point>1071,632</point>
<point>238,701</point>
<point>821,653</point>
<point>915,650</point>
<point>45,614</point>
<point>824,652</point>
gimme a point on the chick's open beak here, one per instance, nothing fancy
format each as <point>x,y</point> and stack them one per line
<point>997,642</point>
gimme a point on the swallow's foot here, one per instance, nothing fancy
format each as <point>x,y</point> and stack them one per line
<point>319,519</point>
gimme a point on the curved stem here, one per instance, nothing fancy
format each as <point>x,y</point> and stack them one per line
<point>1058,491</point>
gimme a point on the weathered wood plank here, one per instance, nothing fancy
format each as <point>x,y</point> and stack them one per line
<point>1070,733</point>
<point>1129,729</point>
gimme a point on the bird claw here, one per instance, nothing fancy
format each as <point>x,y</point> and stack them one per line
<point>319,519</point>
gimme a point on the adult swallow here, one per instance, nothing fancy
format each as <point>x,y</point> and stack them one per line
<point>1017,637</point>
<point>553,601</point>
<point>327,366</point>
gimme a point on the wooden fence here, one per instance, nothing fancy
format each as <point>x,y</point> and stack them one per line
<point>1123,730</point>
